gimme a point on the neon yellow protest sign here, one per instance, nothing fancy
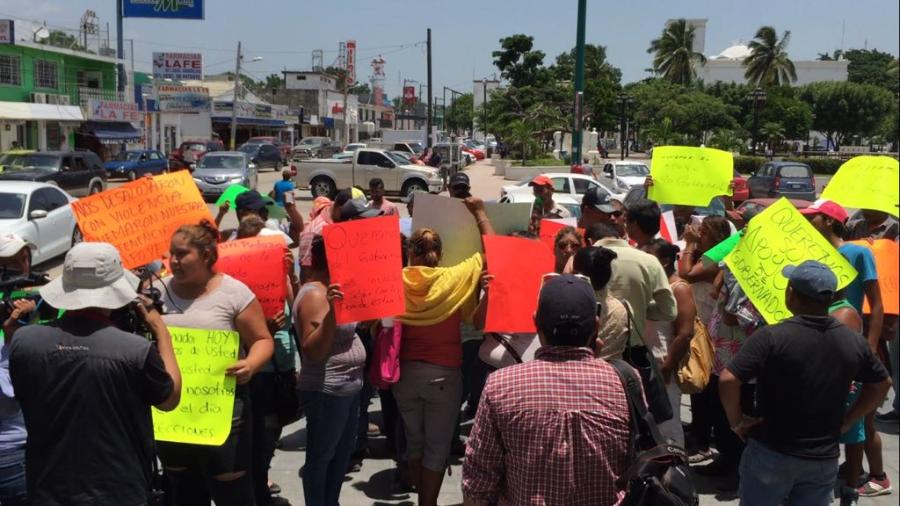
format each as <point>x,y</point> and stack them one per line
<point>690,176</point>
<point>203,416</point>
<point>775,238</point>
<point>867,182</point>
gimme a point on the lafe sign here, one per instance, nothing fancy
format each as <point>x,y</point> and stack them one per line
<point>179,66</point>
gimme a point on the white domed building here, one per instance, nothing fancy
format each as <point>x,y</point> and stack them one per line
<point>728,66</point>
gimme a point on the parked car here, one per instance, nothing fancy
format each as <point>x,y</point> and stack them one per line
<point>325,177</point>
<point>191,151</point>
<point>758,205</point>
<point>263,155</point>
<point>567,201</point>
<point>783,179</point>
<point>413,148</point>
<point>315,147</point>
<point>78,173</point>
<point>623,175</point>
<point>134,164</point>
<point>217,171</point>
<point>283,147</point>
<point>741,190</point>
<point>11,155</point>
<point>715,208</point>
<point>41,214</point>
<point>477,150</point>
<point>564,183</point>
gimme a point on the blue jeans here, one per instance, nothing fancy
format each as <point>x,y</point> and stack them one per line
<point>12,478</point>
<point>331,423</point>
<point>769,477</point>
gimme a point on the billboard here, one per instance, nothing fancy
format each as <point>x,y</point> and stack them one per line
<point>172,9</point>
<point>7,31</point>
<point>409,95</point>
<point>351,62</point>
<point>171,98</point>
<point>178,66</point>
<point>108,110</point>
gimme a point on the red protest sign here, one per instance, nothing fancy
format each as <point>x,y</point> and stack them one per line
<point>258,262</point>
<point>517,266</point>
<point>364,258</point>
<point>549,229</point>
<point>887,259</point>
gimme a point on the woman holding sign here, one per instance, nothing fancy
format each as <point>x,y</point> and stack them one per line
<point>198,297</point>
<point>428,394</point>
<point>331,376</point>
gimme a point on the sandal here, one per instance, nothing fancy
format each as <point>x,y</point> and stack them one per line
<point>701,456</point>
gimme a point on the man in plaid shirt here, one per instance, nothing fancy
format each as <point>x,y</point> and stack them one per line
<point>553,431</point>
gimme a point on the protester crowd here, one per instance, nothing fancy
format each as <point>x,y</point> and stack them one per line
<point>628,327</point>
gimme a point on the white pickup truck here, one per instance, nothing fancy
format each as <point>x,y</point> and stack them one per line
<point>325,177</point>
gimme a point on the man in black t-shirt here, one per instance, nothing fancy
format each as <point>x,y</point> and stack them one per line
<point>86,387</point>
<point>803,367</point>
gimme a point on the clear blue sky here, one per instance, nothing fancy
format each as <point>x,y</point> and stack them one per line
<point>465,32</point>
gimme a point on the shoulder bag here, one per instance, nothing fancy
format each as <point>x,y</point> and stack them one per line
<point>696,365</point>
<point>643,361</point>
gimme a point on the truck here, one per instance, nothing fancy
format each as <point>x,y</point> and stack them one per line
<point>324,178</point>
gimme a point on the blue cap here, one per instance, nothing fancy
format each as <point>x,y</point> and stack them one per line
<point>567,305</point>
<point>813,279</point>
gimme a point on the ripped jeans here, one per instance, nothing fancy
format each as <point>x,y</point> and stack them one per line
<point>193,470</point>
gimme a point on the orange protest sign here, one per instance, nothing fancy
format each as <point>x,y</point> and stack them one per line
<point>887,258</point>
<point>517,266</point>
<point>139,218</point>
<point>258,262</point>
<point>364,258</point>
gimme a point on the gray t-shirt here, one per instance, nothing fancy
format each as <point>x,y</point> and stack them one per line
<point>342,373</point>
<point>213,311</point>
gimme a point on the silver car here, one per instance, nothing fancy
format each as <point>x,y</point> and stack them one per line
<point>217,171</point>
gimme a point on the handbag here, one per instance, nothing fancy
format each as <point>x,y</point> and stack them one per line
<point>385,369</point>
<point>658,473</point>
<point>696,365</point>
<point>642,360</point>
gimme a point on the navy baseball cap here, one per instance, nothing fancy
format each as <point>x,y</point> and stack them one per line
<point>567,305</point>
<point>459,179</point>
<point>251,200</point>
<point>355,209</point>
<point>813,279</point>
<point>599,199</point>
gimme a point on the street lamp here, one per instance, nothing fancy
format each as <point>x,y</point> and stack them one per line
<point>625,101</point>
<point>757,96</point>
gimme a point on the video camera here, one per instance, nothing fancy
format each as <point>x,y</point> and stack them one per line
<point>13,288</point>
<point>128,318</point>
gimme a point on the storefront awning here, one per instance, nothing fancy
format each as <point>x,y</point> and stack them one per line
<point>25,111</point>
<point>114,131</point>
<point>274,123</point>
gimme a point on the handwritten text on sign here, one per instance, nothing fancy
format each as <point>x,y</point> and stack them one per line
<point>139,218</point>
<point>204,414</point>
<point>258,262</point>
<point>364,258</point>
<point>867,182</point>
<point>690,176</point>
<point>775,238</point>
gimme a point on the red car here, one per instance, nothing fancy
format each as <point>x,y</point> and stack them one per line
<point>741,190</point>
<point>758,205</point>
<point>284,148</point>
<point>477,153</point>
<point>192,151</point>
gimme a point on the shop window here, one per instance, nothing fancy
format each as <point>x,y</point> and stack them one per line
<point>10,72</point>
<point>54,136</point>
<point>46,75</point>
<point>90,79</point>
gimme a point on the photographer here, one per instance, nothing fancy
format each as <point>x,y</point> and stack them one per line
<point>15,254</point>
<point>86,387</point>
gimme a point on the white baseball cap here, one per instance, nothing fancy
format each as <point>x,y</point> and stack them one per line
<point>10,244</point>
<point>93,276</point>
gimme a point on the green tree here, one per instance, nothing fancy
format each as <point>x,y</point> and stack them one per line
<point>773,133</point>
<point>674,56</point>
<point>893,70</point>
<point>602,84</point>
<point>521,136</point>
<point>461,113</point>
<point>519,62</point>
<point>662,133</point>
<point>728,140</point>
<point>844,109</point>
<point>692,112</point>
<point>871,66</point>
<point>768,63</point>
<point>59,38</point>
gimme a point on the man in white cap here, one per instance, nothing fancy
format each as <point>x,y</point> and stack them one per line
<point>15,254</point>
<point>86,387</point>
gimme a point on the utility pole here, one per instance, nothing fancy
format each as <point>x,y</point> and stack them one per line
<point>484,111</point>
<point>430,140</point>
<point>120,46</point>
<point>237,92</point>
<point>346,132</point>
<point>579,83</point>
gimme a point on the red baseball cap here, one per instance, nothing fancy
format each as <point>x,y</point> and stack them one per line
<point>541,181</point>
<point>826,208</point>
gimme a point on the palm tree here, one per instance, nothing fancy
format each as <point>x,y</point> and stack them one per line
<point>768,63</point>
<point>727,140</point>
<point>674,56</point>
<point>773,132</point>
<point>662,133</point>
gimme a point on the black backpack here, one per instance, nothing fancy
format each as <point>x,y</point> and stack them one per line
<point>658,473</point>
